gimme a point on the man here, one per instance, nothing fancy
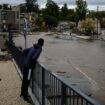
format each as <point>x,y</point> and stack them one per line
<point>32,54</point>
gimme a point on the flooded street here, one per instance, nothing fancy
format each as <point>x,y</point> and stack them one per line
<point>80,62</point>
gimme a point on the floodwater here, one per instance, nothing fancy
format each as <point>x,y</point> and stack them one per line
<point>80,62</point>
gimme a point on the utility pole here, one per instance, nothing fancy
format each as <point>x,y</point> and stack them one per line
<point>97,20</point>
<point>25,30</point>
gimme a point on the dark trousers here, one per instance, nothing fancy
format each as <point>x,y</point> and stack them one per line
<point>25,82</point>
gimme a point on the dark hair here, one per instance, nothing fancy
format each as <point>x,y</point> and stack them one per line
<point>40,42</point>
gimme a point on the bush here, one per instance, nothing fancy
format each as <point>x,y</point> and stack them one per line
<point>88,25</point>
<point>103,23</point>
<point>76,30</point>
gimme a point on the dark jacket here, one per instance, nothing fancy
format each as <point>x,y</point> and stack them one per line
<point>31,55</point>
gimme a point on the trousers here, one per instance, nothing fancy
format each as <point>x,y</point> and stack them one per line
<point>26,81</point>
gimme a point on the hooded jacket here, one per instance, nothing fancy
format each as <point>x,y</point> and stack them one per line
<point>31,55</point>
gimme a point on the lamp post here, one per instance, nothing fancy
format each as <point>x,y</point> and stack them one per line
<point>97,20</point>
<point>25,30</point>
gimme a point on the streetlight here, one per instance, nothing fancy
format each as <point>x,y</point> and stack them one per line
<point>25,26</point>
<point>97,20</point>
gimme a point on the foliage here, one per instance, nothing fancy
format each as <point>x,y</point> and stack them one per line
<point>0,6</point>
<point>91,14</point>
<point>32,6</point>
<point>50,21</point>
<point>71,15</point>
<point>52,9</point>
<point>5,7</point>
<point>96,14</point>
<point>64,12</point>
<point>39,20</point>
<point>88,25</point>
<point>51,13</point>
<point>23,8</point>
<point>72,25</point>
<point>76,30</point>
<point>100,15</point>
<point>103,23</point>
<point>81,9</point>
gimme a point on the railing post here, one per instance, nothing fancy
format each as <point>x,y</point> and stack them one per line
<point>43,86</point>
<point>63,94</point>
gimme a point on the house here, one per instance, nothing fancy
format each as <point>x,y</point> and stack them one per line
<point>8,17</point>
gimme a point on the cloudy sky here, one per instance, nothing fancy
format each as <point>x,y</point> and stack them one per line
<point>71,3</point>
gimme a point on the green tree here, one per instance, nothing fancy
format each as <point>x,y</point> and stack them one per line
<point>81,9</point>
<point>91,14</point>
<point>50,21</point>
<point>51,13</point>
<point>23,8</point>
<point>100,15</point>
<point>0,6</point>
<point>71,15</point>
<point>32,6</point>
<point>5,6</point>
<point>39,20</point>
<point>52,9</point>
<point>103,23</point>
<point>64,12</point>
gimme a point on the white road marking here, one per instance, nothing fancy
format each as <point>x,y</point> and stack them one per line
<point>89,78</point>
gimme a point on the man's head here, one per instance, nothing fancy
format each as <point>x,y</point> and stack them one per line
<point>40,42</point>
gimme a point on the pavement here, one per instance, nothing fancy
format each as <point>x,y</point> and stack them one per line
<point>10,84</point>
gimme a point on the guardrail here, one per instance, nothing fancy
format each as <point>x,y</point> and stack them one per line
<point>48,88</point>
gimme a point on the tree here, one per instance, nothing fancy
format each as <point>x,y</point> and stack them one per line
<point>71,15</point>
<point>5,7</point>
<point>91,14</point>
<point>103,23</point>
<point>52,9</point>
<point>51,13</point>
<point>31,6</point>
<point>64,12</point>
<point>51,21</point>
<point>81,9</point>
<point>0,6</point>
<point>23,8</point>
<point>100,15</point>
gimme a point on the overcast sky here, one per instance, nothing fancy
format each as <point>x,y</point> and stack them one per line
<point>91,3</point>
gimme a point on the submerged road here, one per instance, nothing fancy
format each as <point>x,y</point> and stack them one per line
<point>80,62</point>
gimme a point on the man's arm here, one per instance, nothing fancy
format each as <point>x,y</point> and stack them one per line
<point>34,58</point>
<point>37,54</point>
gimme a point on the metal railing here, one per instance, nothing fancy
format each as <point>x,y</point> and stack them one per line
<point>48,88</point>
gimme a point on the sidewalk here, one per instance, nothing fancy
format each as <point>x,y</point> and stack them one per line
<point>10,84</point>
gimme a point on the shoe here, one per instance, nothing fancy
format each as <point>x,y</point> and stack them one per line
<point>25,95</point>
<point>25,98</point>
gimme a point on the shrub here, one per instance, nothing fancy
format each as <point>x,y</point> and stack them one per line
<point>88,25</point>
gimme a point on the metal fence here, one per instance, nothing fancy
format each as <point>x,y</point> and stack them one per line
<point>48,88</point>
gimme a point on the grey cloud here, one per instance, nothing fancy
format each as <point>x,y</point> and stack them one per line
<point>59,2</point>
<point>72,2</point>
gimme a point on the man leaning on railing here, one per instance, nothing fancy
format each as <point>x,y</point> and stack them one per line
<point>31,56</point>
